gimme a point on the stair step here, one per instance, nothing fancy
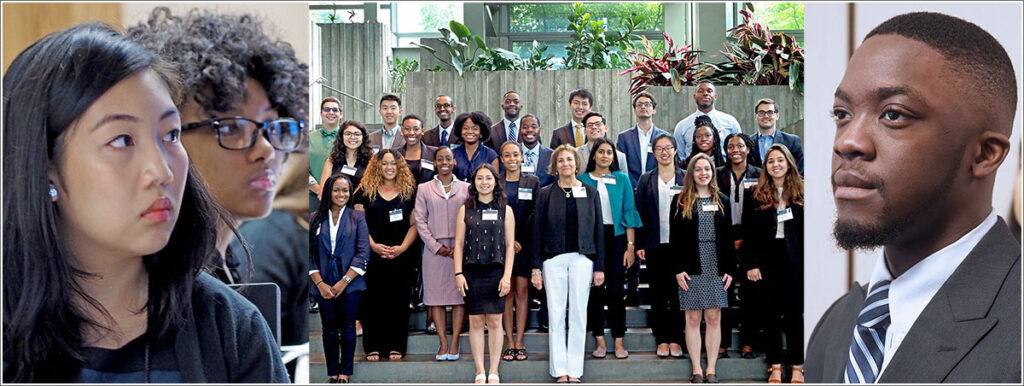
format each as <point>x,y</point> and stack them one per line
<point>635,317</point>
<point>641,366</point>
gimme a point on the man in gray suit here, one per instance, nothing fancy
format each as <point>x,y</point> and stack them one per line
<point>923,116</point>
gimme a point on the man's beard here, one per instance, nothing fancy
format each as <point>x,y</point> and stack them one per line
<point>852,235</point>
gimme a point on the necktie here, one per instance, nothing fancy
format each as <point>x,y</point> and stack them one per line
<point>579,134</point>
<point>444,137</point>
<point>511,132</point>
<point>867,349</point>
<point>531,158</point>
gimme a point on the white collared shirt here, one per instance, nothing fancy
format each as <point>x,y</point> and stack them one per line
<point>440,185</point>
<point>645,145</point>
<point>446,130</point>
<point>665,196</point>
<point>606,205</point>
<point>725,123</point>
<point>334,240</point>
<point>536,156</point>
<point>507,122</point>
<point>910,293</point>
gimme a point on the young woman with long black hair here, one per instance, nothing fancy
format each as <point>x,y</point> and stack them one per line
<point>350,153</point>
<point>106,228</point>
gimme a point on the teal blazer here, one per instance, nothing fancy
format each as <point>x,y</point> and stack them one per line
<point>624,213</point>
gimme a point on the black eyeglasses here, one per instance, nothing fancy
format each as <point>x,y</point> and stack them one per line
<point>238,133</point>
<point>332,110</point>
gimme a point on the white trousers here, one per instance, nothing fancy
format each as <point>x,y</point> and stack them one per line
<point>567,279</point>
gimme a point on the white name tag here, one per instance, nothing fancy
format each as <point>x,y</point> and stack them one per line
<point>675,189</point>
<point>376,148</point>
<point>648,149</point>
<point>709,207</point>
<point>426,164</point>
<point>529,169</point>
<point>579,192</point>
<point>525,194</point>
<point>395,215</point>
<point>490,215</point>
<point>348,170</point>
<point>749,182</point>
<point>784,215</point>
<point>608,179</point>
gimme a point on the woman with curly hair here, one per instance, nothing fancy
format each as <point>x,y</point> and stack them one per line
<point>706,140</point>
<point>473,129</point>
<point>350,154</point>
<point>773,258</point>
<point>242,110</point>
<point>388,196</point>
<point>106,228</point>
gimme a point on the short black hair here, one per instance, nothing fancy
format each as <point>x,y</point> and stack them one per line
<point>582,93</point>
<point>593,114</point>
<point>442,95</point>
<point>969,48</point>
<point>645,94</point>
<point>390,97</point>
<point>412,116</point>
<point>509,92</point>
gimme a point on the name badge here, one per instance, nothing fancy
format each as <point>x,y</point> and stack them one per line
<point>348,170</point>
<point>648,149</point>
<point>608,179</point>
<point>529,169</point>
<point>490,215</point>
<point>579,192</point>
<point>395,215</point>
<point>525,194</point>
<point>675,189</point>
<point>749,182</point>
<point>709,207</point>
<point>453,146</point>
<point>784,215</point>
<point>376,148</point>
<point>427,165</point>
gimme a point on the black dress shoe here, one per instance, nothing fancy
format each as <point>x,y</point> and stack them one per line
<point>697,378</point>
<point>749,355</point>
<point>711,378</point>
<point>723,354</point>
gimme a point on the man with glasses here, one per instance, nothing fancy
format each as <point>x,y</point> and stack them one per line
<point>637,142</point>
<point>507,128</point>
<point>390,110</point>
<point>596,127</point>
<point>320,143</point>
<point>444,108</point>
<point>767,114</point>
<point>704,96</point>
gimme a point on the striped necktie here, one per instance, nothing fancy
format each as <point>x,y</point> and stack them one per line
<point>867,349</point>
<point>511,132</point>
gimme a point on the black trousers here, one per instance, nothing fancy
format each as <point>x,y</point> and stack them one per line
<point>384,309</point>
<point>613,290</point>
<point>667,321</point>
<point>781,307</point>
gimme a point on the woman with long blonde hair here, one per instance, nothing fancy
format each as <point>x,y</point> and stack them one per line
<point>700,228</point>
<point>773,258</point>
<point>387,195</point>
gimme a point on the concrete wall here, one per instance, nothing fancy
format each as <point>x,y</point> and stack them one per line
<point>354,58</point>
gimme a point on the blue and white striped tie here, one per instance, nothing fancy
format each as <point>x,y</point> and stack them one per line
<point>867,349</point>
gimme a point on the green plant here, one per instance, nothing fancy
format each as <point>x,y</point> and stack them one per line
<point>467,52</point>
<point>675,67</point>
<point>538,60</point>
<point>398,72</point>
<point>593,46</point>
<point>756,55</point>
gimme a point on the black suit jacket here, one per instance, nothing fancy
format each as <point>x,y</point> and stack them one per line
<point>563,135</point>
<point>649,235</point>
<point>549,225</point>
<point>421,173</point>
<point>499,134</point>
<point>969,332</point>
<point>432,137</point>
<point>792,142</point>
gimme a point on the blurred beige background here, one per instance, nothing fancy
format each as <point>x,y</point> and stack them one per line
<point>24,23</point>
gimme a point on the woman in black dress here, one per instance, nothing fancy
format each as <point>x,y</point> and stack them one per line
<point>417,154</point>
<point>519,189</point>
<point>773,257</point>
<point>387,195</point>
<point>700,231</point>
<point>350,154</point>
<point>484,256</point>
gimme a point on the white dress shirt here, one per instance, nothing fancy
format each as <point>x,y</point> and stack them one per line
<point>915,288</point>
<point>665,196</point>
<point>507,125</point>
<point>606,205</point>
<point>725,123</point>
<point>645,146</point>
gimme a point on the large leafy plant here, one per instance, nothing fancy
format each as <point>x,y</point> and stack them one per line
<point>756,55</point>
<point>676,67</point>
<point>468,52</point>
<point>398,72</point>
<point>593,46</point>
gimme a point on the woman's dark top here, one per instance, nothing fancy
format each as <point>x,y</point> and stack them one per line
<point>378,218</point>
<point>464,166</point>
<point>421,173</point>
<point>485,239</point>
<point>128,364</point>
<point>356,178</point>
<point>759,228</point>
<point>522,209</point>
<point>683,237</point>
<point>578,219</point>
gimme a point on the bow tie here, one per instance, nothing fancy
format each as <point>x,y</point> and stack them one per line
<point>328,134</point>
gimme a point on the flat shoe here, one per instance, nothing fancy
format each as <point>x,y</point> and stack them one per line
<point>711,378</point>
<point>697,378</point>
<point>621,354</point>
<point>493,378</point>
<point>480,379</point>
<point>599,353</point>
<point>508,355</point>
<point>521,354</point>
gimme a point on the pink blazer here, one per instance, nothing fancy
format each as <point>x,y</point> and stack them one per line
<point>436,216</point>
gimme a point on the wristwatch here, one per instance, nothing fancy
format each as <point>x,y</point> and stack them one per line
<point>346,279</point>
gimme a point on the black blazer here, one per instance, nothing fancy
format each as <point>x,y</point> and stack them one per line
<point>792,142</point>
<point>426,153</point>
<point>683,238</point>
<point>499,135</point>
<point>563,135</point>
<point>549,225</point>
<point>725,177</point>
<point>649,235</point>
<point>432,137</point>
<point>759,227</point>
<point>523,209</point>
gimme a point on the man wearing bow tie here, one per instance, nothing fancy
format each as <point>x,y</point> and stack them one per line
<point>320,143</point>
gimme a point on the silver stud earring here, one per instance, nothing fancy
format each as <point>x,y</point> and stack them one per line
<point>53,193</point>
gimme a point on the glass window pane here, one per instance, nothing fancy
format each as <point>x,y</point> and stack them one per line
<point>779,16</point>
<point>426,16</point>
<point>552,17</point>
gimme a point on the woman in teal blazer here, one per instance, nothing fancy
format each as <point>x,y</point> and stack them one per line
<point>620,219</point>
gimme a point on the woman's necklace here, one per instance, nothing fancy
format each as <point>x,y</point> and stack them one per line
<point>568,193</point>
<point>387,189</point>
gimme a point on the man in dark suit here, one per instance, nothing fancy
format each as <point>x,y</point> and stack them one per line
<point>390,137</point>
<point>637,142</point>
<point>767,115</point>
<point>923,119</point>
<point>536,157</point>
<point>509,126</point>
<point>444,108</point>
<point>581,101</point>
